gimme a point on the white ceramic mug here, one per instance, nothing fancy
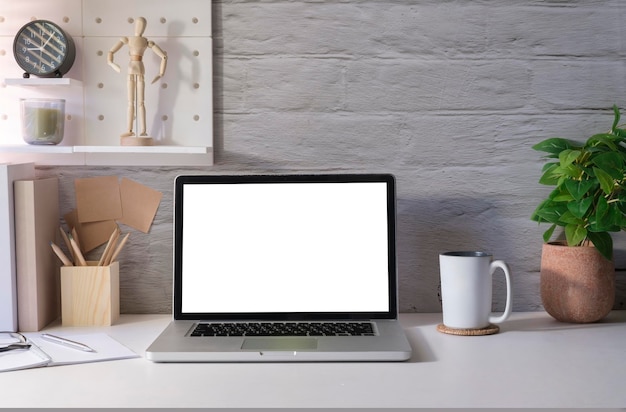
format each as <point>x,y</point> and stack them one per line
<point>466,289</point>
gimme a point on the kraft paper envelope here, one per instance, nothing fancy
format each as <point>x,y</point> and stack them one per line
<point>139,204</point>
<point>98,199</point>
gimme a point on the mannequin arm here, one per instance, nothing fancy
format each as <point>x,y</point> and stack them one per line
<point>114,50</point>
<point>163,55</point>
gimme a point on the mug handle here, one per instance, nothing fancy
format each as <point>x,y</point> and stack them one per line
<point>507,308</point>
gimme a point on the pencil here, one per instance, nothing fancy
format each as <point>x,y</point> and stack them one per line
<point>109,247</point>
<point>67,243</point>
<point>76,238</point>
<point>118,249</point>
<point>57,251</point>
<point>79,256</point>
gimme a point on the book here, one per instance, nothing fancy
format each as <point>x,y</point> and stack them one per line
<point>37,269</point>
<point>9,172</point>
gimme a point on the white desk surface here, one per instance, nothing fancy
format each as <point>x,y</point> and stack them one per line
<point>533,362</point>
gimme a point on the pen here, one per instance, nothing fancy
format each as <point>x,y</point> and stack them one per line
<point>66,342</point>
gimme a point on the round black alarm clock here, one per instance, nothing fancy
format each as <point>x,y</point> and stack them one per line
<point>43,49</point>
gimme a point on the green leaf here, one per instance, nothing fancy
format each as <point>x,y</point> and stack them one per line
<point>578,188</point>
<point>616,118</point>
<point>606,181</point>
<point>621,203</point>
<point>548,166</point>
<point>555,145</point>
<point>622,217</point>
<point>606,139</point>
<point>611,163</point>
<point>562,197</point>
<point>615,218</point>
<point>602,209</point>
<point>605,217</point>
<point>575,234</point>
<point>549,177</point>
<point>568,218</point>
<point>568,156</point>
<point>580,208</point>
<point>560,194</point>
<point>548,233</point>
<point>610,222</point>
<point>603,242</point>
<point>535,216</point>
<point>572,170</point>
<point>621,133</point>
<point>549,211</point>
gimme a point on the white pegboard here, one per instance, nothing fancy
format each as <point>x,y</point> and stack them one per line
<point>173,103</point>
<point>166,18</point>
<point>179,106</point>
<point>66,13</point>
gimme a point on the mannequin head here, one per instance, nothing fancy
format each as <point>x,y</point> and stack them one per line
<point>140,26</point>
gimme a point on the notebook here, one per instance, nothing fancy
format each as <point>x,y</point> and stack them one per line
<point>41,352</point>
<point>313,256</point>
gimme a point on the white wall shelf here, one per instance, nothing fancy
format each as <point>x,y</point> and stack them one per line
<point>179,106</point>
<point>108,155</point>
<point>36,81</point>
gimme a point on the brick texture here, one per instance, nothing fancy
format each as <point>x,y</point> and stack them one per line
<point>449,96</point>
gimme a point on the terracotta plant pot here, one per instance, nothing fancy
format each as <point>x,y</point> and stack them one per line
<point>577,283</point>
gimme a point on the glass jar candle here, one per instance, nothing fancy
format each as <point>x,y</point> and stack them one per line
<point>43,121</point>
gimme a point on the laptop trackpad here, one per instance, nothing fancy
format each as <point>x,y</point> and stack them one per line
<point>279,344</point>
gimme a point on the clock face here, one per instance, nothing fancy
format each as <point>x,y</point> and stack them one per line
<point>43,49</point>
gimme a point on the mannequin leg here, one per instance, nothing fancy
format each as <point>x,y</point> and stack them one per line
<point>141,85</point>
<point>132,82</point>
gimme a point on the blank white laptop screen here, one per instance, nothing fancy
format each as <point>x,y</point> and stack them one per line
<point>285,248</point>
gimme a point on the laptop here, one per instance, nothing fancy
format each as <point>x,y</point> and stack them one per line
<point>284,268</point>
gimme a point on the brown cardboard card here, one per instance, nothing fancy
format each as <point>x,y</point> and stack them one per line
<point>90,234</point>
<point>98,199</point>
<point>139,204</point>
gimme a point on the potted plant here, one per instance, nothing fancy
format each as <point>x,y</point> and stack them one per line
<point>588,202</point>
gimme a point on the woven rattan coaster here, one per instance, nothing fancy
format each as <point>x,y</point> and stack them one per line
<point>489,330</point>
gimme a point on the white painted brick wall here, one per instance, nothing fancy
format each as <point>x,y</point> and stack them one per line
<point>447,95</point>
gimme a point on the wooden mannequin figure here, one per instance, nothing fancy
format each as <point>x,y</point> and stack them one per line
<point>137,45</point>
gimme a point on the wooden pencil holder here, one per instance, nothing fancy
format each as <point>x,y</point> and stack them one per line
<point>90,295</point>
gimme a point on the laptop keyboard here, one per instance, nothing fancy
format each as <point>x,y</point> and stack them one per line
<point>284,329</point>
